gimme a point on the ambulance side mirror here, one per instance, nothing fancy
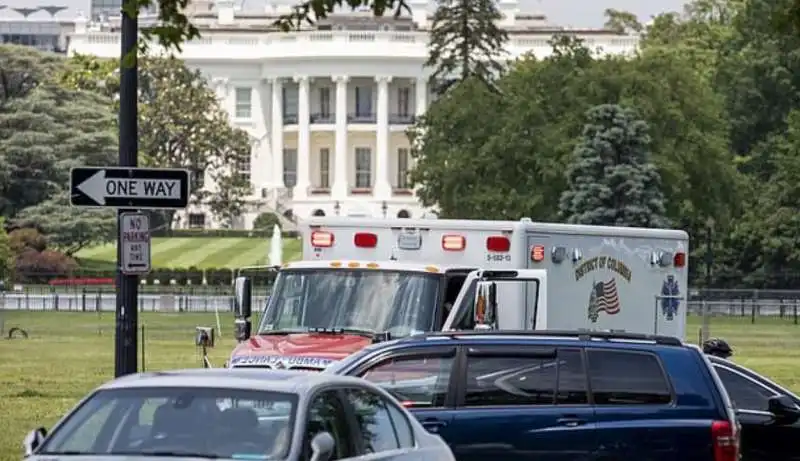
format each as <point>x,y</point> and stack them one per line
<point>484,311</point>
<point>243,290</point>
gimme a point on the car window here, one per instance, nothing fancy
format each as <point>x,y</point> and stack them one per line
<point>405,432</point>
<point>745,394</point>
<point>519,380</point>
<point>326,414</point>
<point>627,378</point>
<point>419,381</point>
<point>84,436</point>
<point>376,427</point>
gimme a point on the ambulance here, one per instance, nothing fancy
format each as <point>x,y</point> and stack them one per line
<point>365,280</point>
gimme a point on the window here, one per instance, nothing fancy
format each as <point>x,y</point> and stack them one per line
<point>403,101</point>
<point>627,378</point>
<point>415,381</point>
<point>324,168</point>
<point>363,167</point>
<point>290,167</point>
<point>197,220</point>
<point>405,434</point>
<point>363,101</point>
<point>745,393</point>
<point>402,168</point>
<point>325,101</point>
<point>496,380</point>
<point>326,414</point>
<point>198,179</point>
<point>290,101</point>
<point>209,422</point>
<point>375,423</point>
<point>244,103</point>
<point>243,166</point>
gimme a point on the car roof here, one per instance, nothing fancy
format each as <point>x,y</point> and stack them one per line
<point>553,337</point>
<point>296,382</point>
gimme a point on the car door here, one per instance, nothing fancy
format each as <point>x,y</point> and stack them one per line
<point>421,378</point>
<point>523,403</point>
<point>326,413</point>
<point>385,433</point>
<point>762,439</point>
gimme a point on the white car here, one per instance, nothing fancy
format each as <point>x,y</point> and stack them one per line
<point>243,414</point>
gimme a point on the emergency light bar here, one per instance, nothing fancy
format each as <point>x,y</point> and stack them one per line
<point>365,240</point>
<point>453,242</point>
<point>321,239</point>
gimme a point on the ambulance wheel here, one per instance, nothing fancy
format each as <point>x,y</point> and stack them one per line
<point>17,333</point>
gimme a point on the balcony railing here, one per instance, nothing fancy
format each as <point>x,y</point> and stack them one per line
<point>325,119</point>
<point>401,119</point>
<point>290,119</point>
<point>361,118</point>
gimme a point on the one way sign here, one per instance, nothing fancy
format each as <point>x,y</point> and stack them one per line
<point>129,187</point>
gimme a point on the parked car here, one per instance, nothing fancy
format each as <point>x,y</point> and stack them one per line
<point>769,413</point>
<point>557,396</point>
<point>237,414</point>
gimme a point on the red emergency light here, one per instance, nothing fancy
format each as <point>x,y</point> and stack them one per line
<point>498,244</point>
<point>453,242</point>
<point>537,253</point>
<point>679,260</point>
<point>365,240</point>
<point>320,239</point>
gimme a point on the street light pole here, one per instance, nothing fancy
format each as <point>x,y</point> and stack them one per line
<point>709,262</point>
<point>127,312</point>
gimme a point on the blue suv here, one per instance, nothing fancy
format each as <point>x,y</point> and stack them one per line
<point>557,395</point>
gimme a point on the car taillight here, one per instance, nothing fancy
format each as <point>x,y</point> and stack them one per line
<point>321,239</point>
<point>365,240</point>
<point>453,242</point>
<point>498,244</point>
<point>725,440</point>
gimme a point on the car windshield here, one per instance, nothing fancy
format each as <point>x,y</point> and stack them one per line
<point>400,302</point>
<point>188,422</point>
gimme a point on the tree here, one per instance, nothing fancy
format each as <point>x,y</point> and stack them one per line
<point>466,42</point>
<point>612,180</point>
<point>181,125</point>
<point>46,129</point>
<point>6,255</point>
<point>69,229</point>
<point>622,21</point>
<point>266,221</point>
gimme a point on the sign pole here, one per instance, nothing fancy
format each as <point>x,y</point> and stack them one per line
<point>127,313</point>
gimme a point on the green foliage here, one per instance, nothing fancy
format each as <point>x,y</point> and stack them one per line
<point>266,221</point>
<point>6,253</point>
<point>611,180</point>
<point>181,125</point>
<point>69,229</point>
<point>466,42</point>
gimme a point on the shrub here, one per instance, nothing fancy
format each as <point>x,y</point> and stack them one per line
<point>33,266</point>
<point>266,221</point>
<point>27,239</point>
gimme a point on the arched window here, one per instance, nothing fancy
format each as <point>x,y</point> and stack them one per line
<point>288,214</point>
<point>403,214</point>
<point>318,213</point>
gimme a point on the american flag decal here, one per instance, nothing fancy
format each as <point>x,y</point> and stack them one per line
<point>603,298</point>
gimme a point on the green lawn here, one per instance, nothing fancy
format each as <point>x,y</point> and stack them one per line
<point>200,252</point>
<point>69,353</point>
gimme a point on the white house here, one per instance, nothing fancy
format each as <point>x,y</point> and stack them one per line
<point>327,108</point>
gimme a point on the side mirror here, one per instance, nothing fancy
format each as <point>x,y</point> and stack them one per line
<point>485,308</point>
<point>322,446</point>
<point>34,440</point>
<point>204,336</point>
<point>244,295</point>
<point>784,409</point>
<point>242,328</point>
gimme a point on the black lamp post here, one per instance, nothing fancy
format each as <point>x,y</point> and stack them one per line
<point>709,251</point>
<point>337,207</point>
<point>385,208</point>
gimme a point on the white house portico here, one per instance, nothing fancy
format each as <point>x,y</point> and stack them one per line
<point>328,108</point>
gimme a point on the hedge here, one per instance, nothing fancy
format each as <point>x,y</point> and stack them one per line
<point>218,233</point>
<point>160,276</point>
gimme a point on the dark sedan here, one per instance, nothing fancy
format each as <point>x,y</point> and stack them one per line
<point>769,413</point>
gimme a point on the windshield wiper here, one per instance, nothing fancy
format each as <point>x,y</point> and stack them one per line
<point>174,454</point>
<point>375,336</point>
<point>283,331</point>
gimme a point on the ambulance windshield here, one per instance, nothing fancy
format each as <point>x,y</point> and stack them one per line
<point>400,302</point>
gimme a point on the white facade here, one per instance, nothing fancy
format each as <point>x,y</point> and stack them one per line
<point>327,110</point>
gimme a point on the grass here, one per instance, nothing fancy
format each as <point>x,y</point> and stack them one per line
<point>68,354</point>
<point>200,252</point>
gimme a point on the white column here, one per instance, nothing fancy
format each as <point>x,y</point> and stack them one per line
<point>340,188</point>
<point>277,134</point>
<point>382,189</point>
<point>421,105</point>
<point>303,138</point>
